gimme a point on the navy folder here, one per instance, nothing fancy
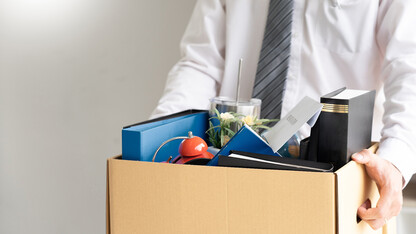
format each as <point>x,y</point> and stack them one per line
<point>140,141</point>
<point>244,140</point>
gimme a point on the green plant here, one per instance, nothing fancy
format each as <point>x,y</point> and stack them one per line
<point>229,123</point>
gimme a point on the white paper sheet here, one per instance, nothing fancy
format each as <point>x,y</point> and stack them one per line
<point>307,110</point>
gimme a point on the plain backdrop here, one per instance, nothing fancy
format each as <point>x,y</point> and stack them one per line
<point>72,74</point>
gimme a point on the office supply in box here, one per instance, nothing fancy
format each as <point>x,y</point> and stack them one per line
<point>172,117</point>
<point>145,197</point>
<point>140,141</point>
<point>261,161</point>
<point>343,127</point>
<point>246,139</point>
<point>192,150</point>
<point>306,111</point>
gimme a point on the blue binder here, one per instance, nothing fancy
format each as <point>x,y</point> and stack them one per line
<point>140,141</point>
<point>244,140</point>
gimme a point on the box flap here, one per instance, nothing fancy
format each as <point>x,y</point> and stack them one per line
<point>107,203</point>
<point>354,187</point>
<point>107,200</point>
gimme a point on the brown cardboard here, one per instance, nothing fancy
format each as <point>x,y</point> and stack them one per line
<point>352,180</point>
<point>144,197</point>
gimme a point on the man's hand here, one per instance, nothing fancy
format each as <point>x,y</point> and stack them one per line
<point>389,182</point>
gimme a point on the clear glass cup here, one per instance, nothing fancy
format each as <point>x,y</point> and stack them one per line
<point>250,107</point>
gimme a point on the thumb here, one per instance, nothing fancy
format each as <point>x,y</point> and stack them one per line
<point>363,157</point>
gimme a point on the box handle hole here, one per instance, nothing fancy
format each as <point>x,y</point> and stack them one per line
<point>366,205</point>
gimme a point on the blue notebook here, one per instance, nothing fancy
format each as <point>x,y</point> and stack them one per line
<point>140,141</point>
<point>247,140</point>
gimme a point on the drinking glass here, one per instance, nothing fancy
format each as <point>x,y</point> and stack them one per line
<point>243,107</point>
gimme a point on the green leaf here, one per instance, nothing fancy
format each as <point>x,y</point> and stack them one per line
<point>262,126</point>
<point>217,112</point>
<point>231,132</point>
<point>212,128</point>
<point>222,138</point>
<point>268,120</point>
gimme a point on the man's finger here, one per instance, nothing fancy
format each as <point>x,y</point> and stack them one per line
<point>366,204</point>
<point>383,209</point>
<point>372,213</point>
<point>364,157</point>
<point>379,212</point>
<point>376,223</point>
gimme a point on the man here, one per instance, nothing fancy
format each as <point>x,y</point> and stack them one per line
<point>360,44</point>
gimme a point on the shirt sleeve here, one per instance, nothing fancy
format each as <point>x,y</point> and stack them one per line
<point>197,76</point>
<point>396,39</point>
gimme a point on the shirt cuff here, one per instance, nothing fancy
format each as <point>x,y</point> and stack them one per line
<point>400,155</point>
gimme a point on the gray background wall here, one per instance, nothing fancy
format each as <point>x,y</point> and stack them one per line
<point>72,73</point>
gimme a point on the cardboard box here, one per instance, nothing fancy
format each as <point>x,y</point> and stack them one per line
<point>145,197</point>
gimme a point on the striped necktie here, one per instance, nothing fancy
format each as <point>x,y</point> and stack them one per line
<point>269,85</point>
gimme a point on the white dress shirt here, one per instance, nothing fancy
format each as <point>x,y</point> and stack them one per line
<point>360,44</point>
